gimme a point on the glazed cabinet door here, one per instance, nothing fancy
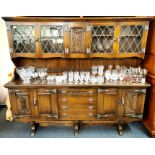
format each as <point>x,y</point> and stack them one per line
<point>132,38</point>
<point>107,105</point>
<point>20,100</point>
<point>52,38</point>
<point>103,37</point>
<point>22,39</point>
<point>132,102</point>
<point>47,103</point>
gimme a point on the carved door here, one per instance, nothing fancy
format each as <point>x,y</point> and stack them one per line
<point>77,39</point>
<point>20,102</point>
<point>107,105</point>
<point>46,102</point>
<point>132,102</point>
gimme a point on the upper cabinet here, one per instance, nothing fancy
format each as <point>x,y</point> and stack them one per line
<point>132,38</point>
<point>78,39</point>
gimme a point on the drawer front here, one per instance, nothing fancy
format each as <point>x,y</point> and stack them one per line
<point>77,109</point>
<point>80,100</point>
<point>77,92</point>
<point>88,116</point>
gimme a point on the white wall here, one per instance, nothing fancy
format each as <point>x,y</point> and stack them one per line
<point>6,65</point>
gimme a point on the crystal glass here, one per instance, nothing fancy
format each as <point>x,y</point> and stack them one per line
<point>100,70</point>
<point>59,79</point>
<point>81,78</point>
<point>25,73</point>
<point>93,79</point>
<point>94,69</point>
<point>50,78</point>
<point>100,79</point>
<point>42,72</point>
<point>86,77</point>
<point>114,75</point>
<point>70,77</point>
<point>76,76</point>
<point>65,76</point>
<point>107,74</point>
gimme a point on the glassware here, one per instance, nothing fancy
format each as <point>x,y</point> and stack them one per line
<point>93,79</point>
<point>65,76</point>
<point>81,77</point>
<point>50,78</point>
<point>94,69</point>
<point>70,77</point>
<point>76,76</point>
<point>100,70</point>
<point>107,74</point>
<point>42,72</point>
<point>86,77</point>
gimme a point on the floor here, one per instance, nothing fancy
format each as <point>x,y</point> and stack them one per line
<point>21,130</point>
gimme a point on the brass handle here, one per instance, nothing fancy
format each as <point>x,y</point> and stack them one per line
<point>64,114</point>
<point>63,91</point>
<point>123,101</point>
<point>52,91</point>
<point>90,114</point>
<point>53,116</point>
<point>64,107</point>
<point>90,92</point>
<point>90,107</point>
<point>140,91</point>
<point>90,100</point>
<point>35,101</point>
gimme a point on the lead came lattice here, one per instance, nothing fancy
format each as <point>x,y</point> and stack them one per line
<point>131,39</point>
<point>102,39</point>
<point>52,39</point>
<point>23,38</point>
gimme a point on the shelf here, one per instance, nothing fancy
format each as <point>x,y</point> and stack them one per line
<point>19,84</point>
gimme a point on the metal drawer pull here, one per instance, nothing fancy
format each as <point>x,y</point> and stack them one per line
<point>103,90</point>
<point>90,92</point>
<point>64,114</point>
<point>90,99</point>
<point>90,114</point>
<point>90,107</point>
<point>13,91</point>
<point>64,107</point>
<point>63,91</point>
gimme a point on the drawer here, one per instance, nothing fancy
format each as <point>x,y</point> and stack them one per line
<point>77,100</point>
<point>70,108</point>
<point>88,116</point>
<point>77,92</point>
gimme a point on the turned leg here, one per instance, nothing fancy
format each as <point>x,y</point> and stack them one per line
<point>76,128</point>
<point>34,127</point>
<point>120,129</point>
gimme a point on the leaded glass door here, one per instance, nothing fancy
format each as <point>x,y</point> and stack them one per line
<point>23,38</point>
<point>52,38</point>
<point>132,37</point>
<point>102,39</point>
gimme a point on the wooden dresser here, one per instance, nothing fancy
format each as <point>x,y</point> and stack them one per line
<point>33,43</point>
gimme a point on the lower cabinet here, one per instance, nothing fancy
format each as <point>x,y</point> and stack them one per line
<point>77,105</point>
<point>120,103</point>
<point>20,100</point>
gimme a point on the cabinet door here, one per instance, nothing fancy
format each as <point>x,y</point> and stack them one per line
<point>133,102</point>
<point>20,101</point>
<point>132,37</point>
<point>47,103</point>
<point>107,105</point>
<point>77,39</point>
<point>52,38</point>
<point>103,37</point>
<point>22,38</point>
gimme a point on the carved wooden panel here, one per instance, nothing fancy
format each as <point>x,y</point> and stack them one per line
<point>23,103</point>
<point>133,102</point>
<point>77,40</point>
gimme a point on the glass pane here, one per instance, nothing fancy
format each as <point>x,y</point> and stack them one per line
<point>131,39</point>
<point>52,39</point>
<point>23,38</point>
<point>102,39</point>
